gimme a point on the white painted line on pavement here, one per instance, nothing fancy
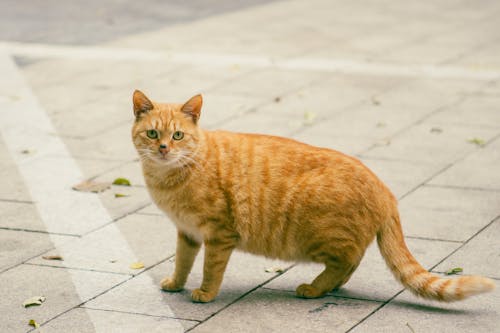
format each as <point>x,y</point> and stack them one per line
<point>214,59</point>
<point>50,171</point>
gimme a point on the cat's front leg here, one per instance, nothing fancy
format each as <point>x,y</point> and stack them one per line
<point>217,253</point>
<point>186,252</point>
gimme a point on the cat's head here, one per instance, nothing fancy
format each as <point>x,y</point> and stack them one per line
<point>166,134</point>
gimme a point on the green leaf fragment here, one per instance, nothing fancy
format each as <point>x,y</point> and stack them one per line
<point>454,271</point>
<point>33,323</point>
<point>121,182</point>
<point>121,195</point>
<point>477,141</point>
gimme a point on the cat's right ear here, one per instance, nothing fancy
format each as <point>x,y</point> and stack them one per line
<point>141,103</point>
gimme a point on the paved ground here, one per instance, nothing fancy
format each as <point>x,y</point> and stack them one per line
<point>411,88</point>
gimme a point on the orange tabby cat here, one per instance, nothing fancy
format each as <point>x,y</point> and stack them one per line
<point>275,197</point>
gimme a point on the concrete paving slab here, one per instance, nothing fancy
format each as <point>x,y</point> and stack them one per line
<point>17,247</point>
<point>151,209</point>
<point>270,82</point>
<point>103,146</point>
<point>12,182</point>
<point>244,273</point>
<point>400,176</point>
<point>372,280</point>
<point>151,238</point>
<point>475,171</point>
<point>135,198</point>
<point>429,142</point>
<point>475,110</point>
<point>480,256</point>
<point>20,215</point>
<point>435,212</point>
<point>404,314</point>
<point>82,320</point>
<point>267,310</point>
<point>26,281</point>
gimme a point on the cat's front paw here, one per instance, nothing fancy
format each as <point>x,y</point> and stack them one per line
<point>200,296</point>
<point>169,284</point>
<point>308,291</point>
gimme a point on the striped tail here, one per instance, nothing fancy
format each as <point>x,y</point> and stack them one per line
<point>417,279</point>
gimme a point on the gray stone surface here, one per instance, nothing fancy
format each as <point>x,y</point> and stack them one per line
<point>404,313</point>
<point>484,246</point>
<point>97,251</point>
<point>82,319</point>
<point>57,285</point>
<point>244,273</point>
<point>19,246</point>
<point>279,311</point>
<point>436,212</point>
<point>404,86</point>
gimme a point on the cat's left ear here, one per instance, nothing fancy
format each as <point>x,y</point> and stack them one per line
<point>192,108</point>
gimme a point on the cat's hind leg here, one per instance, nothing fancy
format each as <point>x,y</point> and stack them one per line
<point>333,276</point>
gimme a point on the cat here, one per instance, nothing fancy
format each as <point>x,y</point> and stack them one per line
<point>274,197</point>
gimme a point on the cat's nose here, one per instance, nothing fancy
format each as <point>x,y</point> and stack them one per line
<point>164,149</point>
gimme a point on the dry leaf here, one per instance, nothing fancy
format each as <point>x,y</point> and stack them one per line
<point>91,186</point>
<point>277,99</point>
<point>113,261</point>
<point>136,265</point>
<point>35,300</point>
<point>33,323</point>
<point>454,271</point>
<point>436,130</point>
<point>275,270</point>
<point>121,181</point>
<point>54,257</point>
<point>120,195</point>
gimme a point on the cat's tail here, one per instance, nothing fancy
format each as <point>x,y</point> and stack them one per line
<point>416,278</point>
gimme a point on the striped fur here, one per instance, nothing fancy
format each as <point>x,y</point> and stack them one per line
<point>274,197</point>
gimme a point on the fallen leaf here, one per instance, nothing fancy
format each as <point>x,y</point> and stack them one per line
<point>136,265</point>
<point>309,117</point>
<point>120,195</point>
<point>35,300</point>
<point>277,99</point>
<point>454,271</point>
<point>275,270</point>
<point>411,328</point>
<point>54,257</point>
<point>113,261</point>
<point>91,186</point>
<point>436,130</point>
<point>121,181</point>
<point>33,323</point>
<point>477,141</point>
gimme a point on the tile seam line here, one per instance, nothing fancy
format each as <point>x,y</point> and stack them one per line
<point>239,298</point>
<point>78,269</point>
<point>430,270</point>
<point>137,313</point>
<point>82,303</point>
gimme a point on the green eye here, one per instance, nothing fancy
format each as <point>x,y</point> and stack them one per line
<point>178,135</point>
<point>152,134</point>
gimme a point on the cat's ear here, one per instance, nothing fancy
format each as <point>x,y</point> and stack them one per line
<point>141,103</point>
<point>192,108</point>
